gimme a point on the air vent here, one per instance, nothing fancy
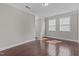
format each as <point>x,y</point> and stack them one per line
<point>28,7</point>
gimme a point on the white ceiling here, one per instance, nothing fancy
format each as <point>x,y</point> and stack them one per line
<point>52,9</point>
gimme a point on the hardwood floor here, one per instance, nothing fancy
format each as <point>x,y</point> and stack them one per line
<point>42,48</point>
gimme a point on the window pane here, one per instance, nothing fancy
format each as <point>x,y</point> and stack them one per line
<point>65,20</point>
<point>52,22</point>
<point>52,28</point>
<point>64,28</point>
<point>52,25</point>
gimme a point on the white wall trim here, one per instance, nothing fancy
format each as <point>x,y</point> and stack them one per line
<point>63,39</point>
<point>11,46</point>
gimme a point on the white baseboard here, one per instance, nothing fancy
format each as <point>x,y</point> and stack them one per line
<point>63,39</point>
<point>11,46</point>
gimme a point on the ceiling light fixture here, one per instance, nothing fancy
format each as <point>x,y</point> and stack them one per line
<point>45,4</point>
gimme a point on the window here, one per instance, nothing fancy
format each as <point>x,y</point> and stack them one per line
<point>65,24</point>
<point>52,25</point>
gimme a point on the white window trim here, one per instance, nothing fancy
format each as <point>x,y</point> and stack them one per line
<point>62,25</point>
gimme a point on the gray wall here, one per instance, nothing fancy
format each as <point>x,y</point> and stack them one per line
<point>73,35</point>
<point>78,26</point>
<point>16,26</point>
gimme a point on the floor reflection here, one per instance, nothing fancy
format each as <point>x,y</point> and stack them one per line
<point>63,49</point>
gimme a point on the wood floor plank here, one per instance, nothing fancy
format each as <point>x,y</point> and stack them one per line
<point>41,48</point>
